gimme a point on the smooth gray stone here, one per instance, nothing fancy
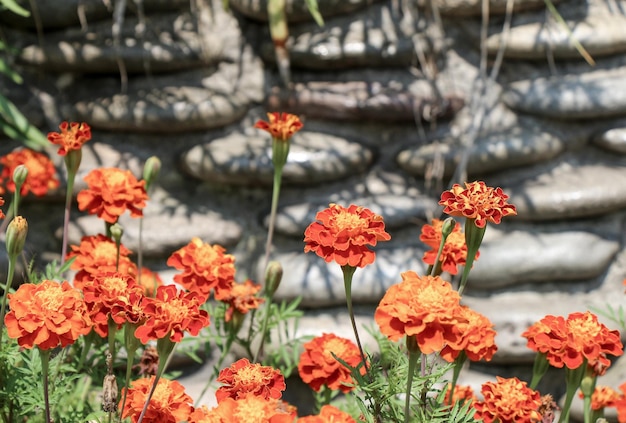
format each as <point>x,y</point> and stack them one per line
<point>465,8</point>
<point>519,146</point>
<point>397,210</point>
<point>53,14</point>
<point>596,94</point>
<point>532,256</point>
<point>182,102</point>
<point>600,35</point>
<point>169,223</point>
<point>582,184</point>
<point>170,42</point>
<point>384,96</point>
<point>379,36</point>
<point>296,10</point>
<point>313,158</point>
<point>612,140</point>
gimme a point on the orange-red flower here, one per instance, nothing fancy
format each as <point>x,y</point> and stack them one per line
<point>462,393</point>
<point>47,315</point>
<point>41,177</point>
<point>242,298</point>
<point>244,379</point>
<point>96,255</point>
<point>344,234</point>
<point>250,409</point>
<point>454,251</point>
<point>318,367</point>
<point>115,296</point>
<point>570,342</point>
<point>169,403</point>
<point>620,404</point>
<point>476,336</point>
<point>112,191</point>
<point>205,267</point>
<point>71,137</point>
<point>2,216</point>
<point>602,397</point>
<point>508,401</point>
<point>170,314</point>
<point>328,414</point>
<point>281,126</point>
<point>478,202</point>
<point>424,307</point>
<point>149,281</point>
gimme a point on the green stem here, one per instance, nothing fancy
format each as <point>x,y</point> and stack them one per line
<point>413,356</point>
<point>266,319</point>
<point>278,173</point>
<point>45,364</point>
<point>131,347</point>
<point>164,348</point>
<point>66,217</point>
<point>7,288</point>
<point>224,353</point>
<point>587,409</point>
<point>458,365</point>
<point>348,272</point>
<point>473,238</point>
<point>89,338</point>
<point>573,379</point>
<point>540,367</point>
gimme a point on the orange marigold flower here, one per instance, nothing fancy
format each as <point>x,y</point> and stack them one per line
<point>620,404</point>
<point>602,397</point>
<point>508,401</point>
<point>250,409</point>
<point>112,191</point>
<point>244,379</point>
<point>96,255</point>
<point>476,337</point>
<point>170,314</point>
<point>71,137</point>
<point>47,315</point>
<point>424,307</point>
<point>205,267</point>
<point>281,126</point>
<point>149,281</point>
<point>318,367</point>
<point>41,177</point>
<point>242,298</point>
<point>169,403</point>
<point>344,234</point>
<point>461,393</point>
<point>477,201</point>
<point>328,414</point>
<point>113,295</point>
<point>2,216</point>
<point>569,342</point>
<point>454,251</point>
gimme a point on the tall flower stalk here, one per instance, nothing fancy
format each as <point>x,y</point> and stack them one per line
<point>281,126</point>
<point>70,140</point>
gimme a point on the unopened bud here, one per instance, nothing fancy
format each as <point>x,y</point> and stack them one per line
<point>151,170</point>
<point>116,232</point>
<point>16,236</point>
<point>19,176</point>
<point>273,276</point>
<point>447,227</point>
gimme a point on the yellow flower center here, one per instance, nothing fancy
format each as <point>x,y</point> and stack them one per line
<point>104,252</point>
<point>205,256</point>
<point>51,298</point>
<point>350,222</point>
<point>175,310</point>
<point>252,410</point>
<point>334,346</point>
<point>161,396</point>
<point>115,177</point>
<point>584,329</point>
<point>114,284</point>
<point>35,167</point>
<point>249,375</point>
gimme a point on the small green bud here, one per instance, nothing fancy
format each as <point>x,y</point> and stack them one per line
<point>16,236</point>
<point>447,227</point>
<point>273,276</point>
<point>151,170</point>
<point>116,232</point>
<point>19,176</point>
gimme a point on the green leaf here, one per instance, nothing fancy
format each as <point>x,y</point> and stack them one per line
<point>14,124</point>
<point>315,11</point>
<point>15,8</point>
<point>5,69</point>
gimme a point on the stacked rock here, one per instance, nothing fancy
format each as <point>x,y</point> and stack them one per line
<point>397,98</point>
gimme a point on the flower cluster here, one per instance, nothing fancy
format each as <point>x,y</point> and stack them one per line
<point>244,379</point>
<point>343,235</point>
<point>454,252</point>
<point>41,177</point>
<point>571,342</point>
<point>428,309</point>
<point>318,365</point>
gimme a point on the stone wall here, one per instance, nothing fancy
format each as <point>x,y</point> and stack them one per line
<point>394,102</point>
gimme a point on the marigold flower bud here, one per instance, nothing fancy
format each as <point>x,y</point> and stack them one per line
<point>151,170</point>
<point>19,175</point>
<point>116,232</point>
<point>16,236</point>
<point>273,276</point>
<point>447,227</point>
